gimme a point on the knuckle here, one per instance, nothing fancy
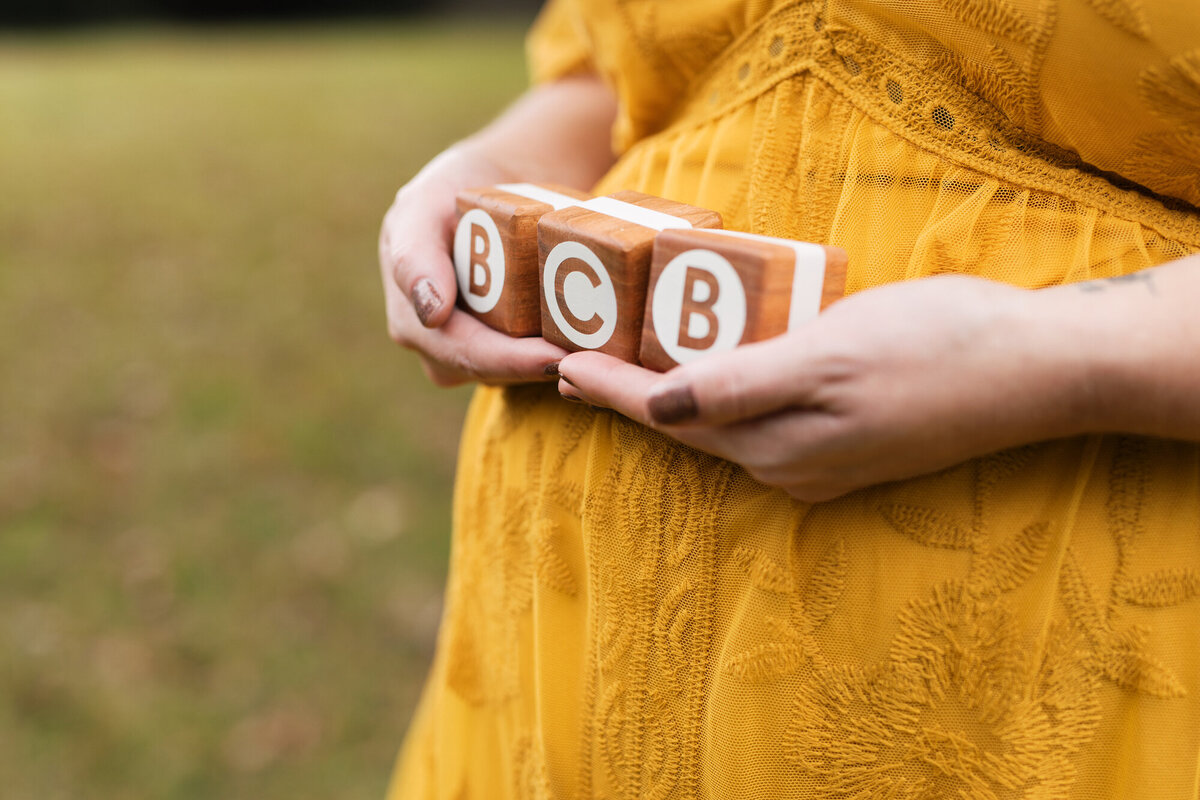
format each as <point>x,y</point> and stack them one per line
<point>464,364</point>
<point>731,397</point>
<point>396,259</point>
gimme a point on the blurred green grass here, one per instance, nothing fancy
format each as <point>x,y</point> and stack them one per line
<point>224,494</point>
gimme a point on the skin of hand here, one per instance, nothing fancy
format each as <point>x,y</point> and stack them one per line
<point>909,378</point>
<point>556,133</point>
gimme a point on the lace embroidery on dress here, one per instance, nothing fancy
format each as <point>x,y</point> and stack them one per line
<point>1128,15</point>
<point>1171,158</point>
<point>1121,652</point>
<point>651,542</point>
<point>962,706</point>
<point>961,709</point>
<point>939,106</point>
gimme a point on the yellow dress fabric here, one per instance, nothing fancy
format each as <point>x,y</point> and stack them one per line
<point>629,618</point>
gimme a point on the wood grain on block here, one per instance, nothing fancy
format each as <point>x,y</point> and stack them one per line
<point>595,261</point>
<point>710,291</point>
<point>496,256</point>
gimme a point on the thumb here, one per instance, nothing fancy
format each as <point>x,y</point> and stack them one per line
<point>741,384</point>
<point>420,266</point>
<point>427,278</point>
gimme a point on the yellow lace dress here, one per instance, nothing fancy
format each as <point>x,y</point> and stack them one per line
<point>628,618</point>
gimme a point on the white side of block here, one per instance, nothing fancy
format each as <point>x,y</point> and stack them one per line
<point>808,277</point>
<point>634,213</point>
<point>538,193</point>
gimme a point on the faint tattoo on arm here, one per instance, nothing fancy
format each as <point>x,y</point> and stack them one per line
<point>1146,278</point>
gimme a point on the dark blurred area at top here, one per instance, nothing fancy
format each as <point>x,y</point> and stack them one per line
<point>73,13</point>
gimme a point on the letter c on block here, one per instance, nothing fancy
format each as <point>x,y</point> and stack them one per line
<point>594,292</point>
<point>710,324</point>
<point>479,260</point>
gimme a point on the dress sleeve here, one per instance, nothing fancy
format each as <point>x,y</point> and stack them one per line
<point>557,44</point>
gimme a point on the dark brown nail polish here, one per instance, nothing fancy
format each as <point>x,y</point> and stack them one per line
<point>571,399</point>
<point>551,370</point>
<point>426,300</point>
<point>674,406</point>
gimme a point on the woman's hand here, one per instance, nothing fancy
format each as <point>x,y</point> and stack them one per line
<point>887,384</point>
<point>556,133</point>
<point>419,283</point>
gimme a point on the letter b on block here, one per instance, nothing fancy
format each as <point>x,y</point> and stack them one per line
<point>479,260</point>
<point>496,253</point>
<point>693,305</point>
<point>698,306</point>
<point>713,290</point>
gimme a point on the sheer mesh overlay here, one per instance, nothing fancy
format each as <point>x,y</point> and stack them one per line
<point>628,618</point>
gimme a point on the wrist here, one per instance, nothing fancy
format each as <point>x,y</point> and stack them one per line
<point>1060,378</point>
<point>1089,338</point>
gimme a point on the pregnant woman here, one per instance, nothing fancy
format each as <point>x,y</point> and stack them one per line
<point>942,542</point>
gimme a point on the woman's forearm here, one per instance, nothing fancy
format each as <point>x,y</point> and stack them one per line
<point>558,132</point>
<point>1133,344</point>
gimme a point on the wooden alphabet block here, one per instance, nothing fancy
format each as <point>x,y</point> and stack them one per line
<point>496,252</point>
<point>711,291</point>
<point>595,261</point>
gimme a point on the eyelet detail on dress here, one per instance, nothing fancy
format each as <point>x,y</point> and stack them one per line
<point>743,72</point>
<point>942,118</point>
<point>894,92</point>
<point>775,49</point>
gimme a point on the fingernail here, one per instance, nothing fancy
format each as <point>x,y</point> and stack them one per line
<point>572,398</point>
<point>426,300</point>
<point>551,370</point>
<point>674,405</point>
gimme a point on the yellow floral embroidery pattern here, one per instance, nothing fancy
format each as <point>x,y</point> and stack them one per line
<point>810,605</point>
<point>963,706</point>
<point>652,619</point>
<point>1128,15</point>
<point>1171,159</point>
<point>961,709</point>
<point>1121,653</point>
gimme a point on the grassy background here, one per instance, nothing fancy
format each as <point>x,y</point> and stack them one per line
<point>224,494</point>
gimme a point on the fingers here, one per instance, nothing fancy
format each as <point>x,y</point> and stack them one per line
<point>800,452</point>
<point>464,349</point>
<point>790,449</point>
<point>755,379</point>
<point>730,387</point>
<point>455,348</point>
<point>606,381</point>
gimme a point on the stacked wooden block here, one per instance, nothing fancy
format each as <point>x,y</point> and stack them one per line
<point>645,279</point>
